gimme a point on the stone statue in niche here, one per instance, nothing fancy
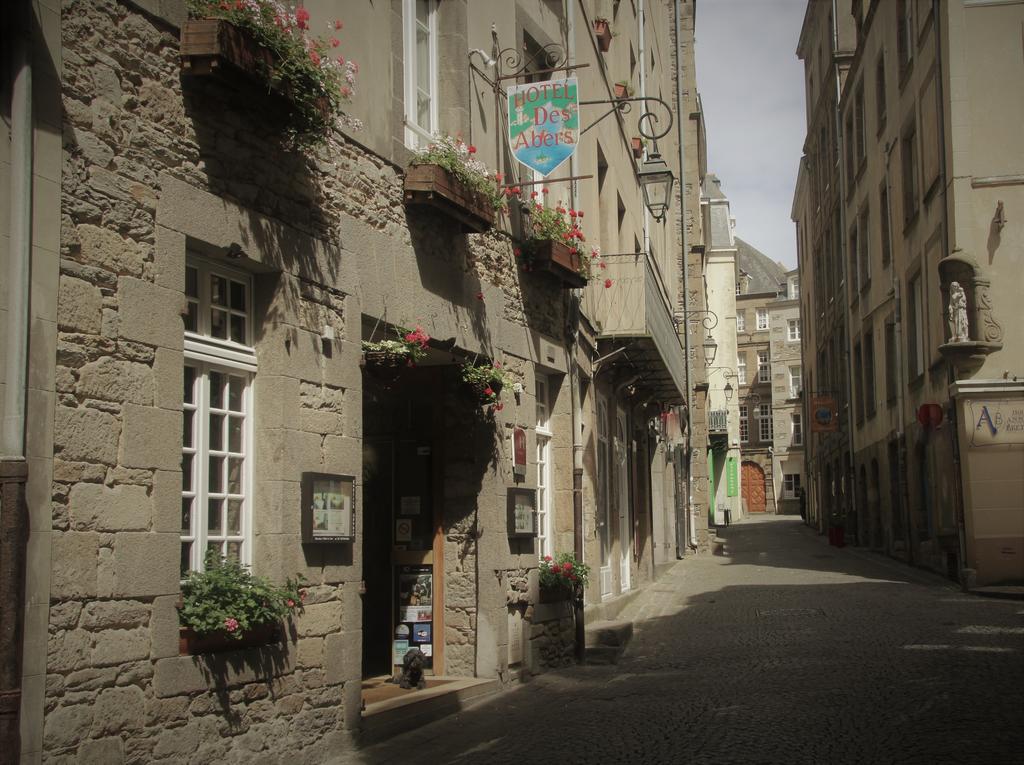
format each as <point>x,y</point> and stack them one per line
<point>957,313</point>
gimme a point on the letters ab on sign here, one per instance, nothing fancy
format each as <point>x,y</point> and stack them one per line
<point>543,123</point>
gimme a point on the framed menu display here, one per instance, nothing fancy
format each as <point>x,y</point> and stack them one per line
<point>522,512</point>
<point>328,508</point>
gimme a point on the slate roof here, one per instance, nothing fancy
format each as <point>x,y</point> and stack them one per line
<point>765,274</point>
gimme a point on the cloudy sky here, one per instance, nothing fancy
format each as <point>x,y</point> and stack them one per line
<point>751,84</point>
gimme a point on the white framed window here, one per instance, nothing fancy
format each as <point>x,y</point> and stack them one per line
<point>794,288</point>
<point>794,330</point>
<point>419,19</point>
<point>741,321</point>
<point>741,370</point>
<point>744,424</point>
<point>796,382</point>
<point>545,536</point>
<point>798,429</point>
<point>765,431</point>
<point>762,318</point>
<point>216,462</point>
<point>764,372</point>
<point>790,485</point>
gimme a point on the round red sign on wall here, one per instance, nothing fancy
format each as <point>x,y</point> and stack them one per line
<point>929,415</point>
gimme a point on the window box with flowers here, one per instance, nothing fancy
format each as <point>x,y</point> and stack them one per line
<point>562,577</point>
<point>226,607</point>
<point>447,177</point>
<point>385,359</point>
<point>262,40</point>
<point>556,245</point>
<point>603,33</point>
<point>485,381</point>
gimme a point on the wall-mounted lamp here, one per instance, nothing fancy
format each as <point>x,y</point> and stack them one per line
<point>728,392</point>
<point>656,180</point>
<point>710,349</point>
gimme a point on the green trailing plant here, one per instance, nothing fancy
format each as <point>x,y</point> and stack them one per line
<point>563,572</point>
<point>487,381</point>
<point>457,157</point>
<point>562,225</point>
<point>228,598</point>
<point>410,345</point>
<point>318,80</point>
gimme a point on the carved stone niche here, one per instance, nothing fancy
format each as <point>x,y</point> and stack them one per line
<point>985,334</point>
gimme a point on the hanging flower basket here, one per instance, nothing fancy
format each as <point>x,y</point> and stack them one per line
<point>603,32</point>
<point>385,366</point>
<point>191,643</point>
<point>484,382</point>
<point>558,260</point>
<point>386,359</point>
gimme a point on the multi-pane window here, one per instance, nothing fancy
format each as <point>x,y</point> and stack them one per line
<point>891,383</point>
<point>880,91</point>
<point>869,372</point>
<point>741,369</point>
<point>790,485</point>
<point>741,321</point>
<point>883,211</point>
<point>860,127</point>
<point>744,424</point>
<point>762,318</point>
<point>854,239</point>
<point>908,160</point>
<point>793,330</point>
<point>915,328</point>
<point>904,36</point>
<point>764,372</point>
<point>765,429</point>
<point>217,415</point>
<point>544,520</point>
<point>864,251</point>
<point>798,429</point>
<point>795,381</point>
<point>420,50</point>
<point>794,288</point>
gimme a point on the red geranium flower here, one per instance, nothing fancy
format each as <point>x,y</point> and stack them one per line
<point>302,18</point>
<point>607,283</point>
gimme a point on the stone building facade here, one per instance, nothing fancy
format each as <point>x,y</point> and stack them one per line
<point>787,394</point>
<point>199,295</point>
<point>928,171</point>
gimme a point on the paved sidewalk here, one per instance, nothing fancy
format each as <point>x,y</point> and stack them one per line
<point>778,649</point>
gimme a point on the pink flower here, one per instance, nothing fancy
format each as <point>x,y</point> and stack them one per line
<point>547,558</point>
<point>302,18</point>
<point>314,57</point>
<point>499,177</point>
<point>544,191</point>
<point>335,42</point>
<point>607,283</point>
<point>533,195</point>
<point>290,603</point>
<point>579,213</point>
<point>338,24</point>
<point>555,568</point>
<point>499,406</point>
<point>346,91</point>
<point>603,264</point>
<point>517,252</point>
<point>230,624</point>
<point>341,60</point>
<point>479,296</point>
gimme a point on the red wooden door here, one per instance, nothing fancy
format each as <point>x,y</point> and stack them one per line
<point>753,487</point>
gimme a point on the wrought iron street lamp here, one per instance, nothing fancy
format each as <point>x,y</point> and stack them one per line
<point>710,349</point>
<point>656,179</point>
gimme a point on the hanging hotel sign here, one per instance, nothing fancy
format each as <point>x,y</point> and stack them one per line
<point>824,414</point>
<point>543,123</point>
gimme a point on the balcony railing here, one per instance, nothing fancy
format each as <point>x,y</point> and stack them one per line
<point>636,306</point>
<point>718,420</point>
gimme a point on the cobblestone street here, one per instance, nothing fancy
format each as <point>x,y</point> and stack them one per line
<point>777,649</point>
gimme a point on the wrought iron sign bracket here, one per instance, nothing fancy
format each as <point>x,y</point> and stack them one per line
<point>646,121</point>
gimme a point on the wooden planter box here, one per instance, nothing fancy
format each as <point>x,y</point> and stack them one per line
<point>559,595</point>
<point>191,644</point>
<point>557,259</point>
<point>604,35</point>
<point>620,90</point>
<point>433,186</point>
<point>208,45</point>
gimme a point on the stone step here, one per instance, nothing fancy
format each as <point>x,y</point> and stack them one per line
<point>388,718</point>
<point>609,633</point>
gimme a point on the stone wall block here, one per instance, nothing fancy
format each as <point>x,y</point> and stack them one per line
<point>319,619</point>
<point>103,751</point>
<point>68,651</point>
<point>168,372</point>
<point>87,435</point>
<point>118,710</point>
<point>146,564</point>
<point>150,314</point>
<point>108,379</point>
<point>342,659</point>
<point>152,438</point>
<point>67,725</point>
<point>79,306</point>
<point>310,653</point>
<point>180,675</point>
<point>276,398</point>
<point>91,679</point>
<point>74,575</point>
<point>111,614</point>
<point>108,250</point>
<point>163,627</point>
<point>97,507</point>
<point>166,499</point>
<point>115,647</point>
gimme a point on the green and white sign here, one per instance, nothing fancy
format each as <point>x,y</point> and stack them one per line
<point>543,123</point>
